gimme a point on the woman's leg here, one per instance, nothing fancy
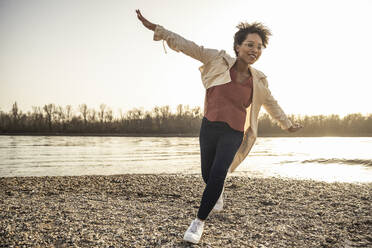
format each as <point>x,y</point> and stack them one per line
<point>228,145</point>
<point>208,143</point>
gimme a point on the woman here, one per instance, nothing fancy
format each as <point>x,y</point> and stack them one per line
<point>235,92</point>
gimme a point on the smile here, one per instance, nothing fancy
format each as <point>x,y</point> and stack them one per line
<point>252,56</point>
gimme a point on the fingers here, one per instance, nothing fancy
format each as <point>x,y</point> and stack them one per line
<point>139,15</point>
<point>295,127</point>
<point>144,21</point>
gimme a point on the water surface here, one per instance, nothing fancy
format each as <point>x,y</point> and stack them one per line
<point>325,158</point>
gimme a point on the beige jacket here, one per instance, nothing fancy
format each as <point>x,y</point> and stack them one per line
<point>215,71</point>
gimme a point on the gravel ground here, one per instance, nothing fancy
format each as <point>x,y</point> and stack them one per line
<point>155,211</point>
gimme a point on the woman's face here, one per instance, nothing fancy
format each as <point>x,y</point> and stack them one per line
<point>251,48</point>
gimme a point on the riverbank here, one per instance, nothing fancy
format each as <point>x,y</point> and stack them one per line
<point>282,134</point>
<point>155,210</point>
<point>102,134</point>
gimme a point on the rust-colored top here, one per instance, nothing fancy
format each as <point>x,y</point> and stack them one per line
<point>228,102</point>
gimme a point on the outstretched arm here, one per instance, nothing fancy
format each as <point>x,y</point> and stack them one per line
<point>180,44</point>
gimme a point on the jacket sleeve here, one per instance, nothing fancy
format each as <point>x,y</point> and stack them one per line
<point>180,44</point>
<point>274,110</point>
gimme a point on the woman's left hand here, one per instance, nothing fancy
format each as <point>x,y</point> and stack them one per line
<point>295,127</point>
<point>144,21</point>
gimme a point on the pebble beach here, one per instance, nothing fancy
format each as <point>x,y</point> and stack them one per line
<point>155,210</point>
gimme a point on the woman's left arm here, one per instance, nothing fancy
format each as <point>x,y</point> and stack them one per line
<point>276,112</point>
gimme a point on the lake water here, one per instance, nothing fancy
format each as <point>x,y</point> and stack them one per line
<point>326,158</point>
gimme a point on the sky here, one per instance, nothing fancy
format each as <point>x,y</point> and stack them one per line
<point>91,52</point>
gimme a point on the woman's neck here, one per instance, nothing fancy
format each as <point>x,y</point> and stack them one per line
<point>242,67</point>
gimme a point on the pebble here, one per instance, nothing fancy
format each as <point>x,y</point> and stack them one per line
<point>155,211</point>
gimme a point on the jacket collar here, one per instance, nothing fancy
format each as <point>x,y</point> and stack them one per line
<point>255,73</point>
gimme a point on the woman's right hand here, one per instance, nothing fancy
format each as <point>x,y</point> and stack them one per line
<point>144,21</point>
<point>295,127</point>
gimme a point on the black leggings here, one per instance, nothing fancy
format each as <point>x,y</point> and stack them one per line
<point>218,145</point>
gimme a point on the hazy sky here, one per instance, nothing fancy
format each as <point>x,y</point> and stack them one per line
<point>83,51</point>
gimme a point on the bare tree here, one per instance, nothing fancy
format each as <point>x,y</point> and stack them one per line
<point>15,115</point>
<point>165,112</point>
<point>121,115</point>
<point>49,111</point>
<point>179,110</point>
<point>92,115</point>
<point>101,113</point>
<point>83,108</point>
<point>109,115</point>
<point>15,112</point>
<point>37,114</point>
<point>61,116</point>
<point>187,111</point>
<point>68,113</point>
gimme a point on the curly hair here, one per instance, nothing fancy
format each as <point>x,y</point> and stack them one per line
<point>250,28</point>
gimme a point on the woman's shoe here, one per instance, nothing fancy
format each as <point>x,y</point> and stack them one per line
<point>218,207</point>
<point>194,232</point>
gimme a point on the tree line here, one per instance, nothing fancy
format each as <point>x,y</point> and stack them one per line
<point>186,121</point>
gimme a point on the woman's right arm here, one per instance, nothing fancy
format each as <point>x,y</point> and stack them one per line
<point>178,43</point>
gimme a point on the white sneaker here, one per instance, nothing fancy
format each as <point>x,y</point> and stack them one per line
<point>218,207</point>
<point>194,232</point>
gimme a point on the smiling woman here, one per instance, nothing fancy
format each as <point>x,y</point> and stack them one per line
<point>235,92</point>
<point>253,36</point>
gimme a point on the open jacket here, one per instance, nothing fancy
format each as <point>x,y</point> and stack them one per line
<point>215,71</point>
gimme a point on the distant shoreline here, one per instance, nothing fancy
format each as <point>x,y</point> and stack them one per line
<point>284,135</point>
<point>103,134</point>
